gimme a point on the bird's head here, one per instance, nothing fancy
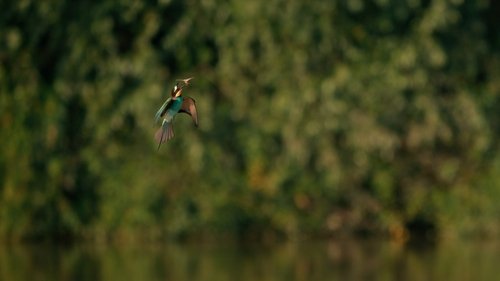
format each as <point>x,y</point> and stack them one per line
<point>177,90</point>
<point>179,85</point>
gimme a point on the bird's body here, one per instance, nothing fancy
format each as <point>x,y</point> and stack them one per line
<point>170,108</point>
<point>173,105</point>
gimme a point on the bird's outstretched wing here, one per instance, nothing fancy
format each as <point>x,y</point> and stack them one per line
<point>189,107</point>
<point>162,110</point>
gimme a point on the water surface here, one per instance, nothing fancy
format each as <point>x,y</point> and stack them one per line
<point>339,260</point>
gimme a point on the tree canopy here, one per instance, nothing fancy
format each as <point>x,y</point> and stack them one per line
<point>316,118</point>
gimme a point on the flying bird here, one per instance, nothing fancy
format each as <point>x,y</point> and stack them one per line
<point>174,104</point>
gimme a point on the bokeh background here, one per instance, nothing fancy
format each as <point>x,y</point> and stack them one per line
<point>317,119</point>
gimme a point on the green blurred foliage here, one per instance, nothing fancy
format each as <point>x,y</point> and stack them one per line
<point>317,118</point>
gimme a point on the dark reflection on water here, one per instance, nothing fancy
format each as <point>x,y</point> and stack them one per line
<point>341,260</point>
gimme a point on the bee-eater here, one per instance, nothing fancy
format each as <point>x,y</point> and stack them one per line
<point>174,104</point>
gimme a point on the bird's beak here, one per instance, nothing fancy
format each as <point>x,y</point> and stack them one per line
<point>186,80</point>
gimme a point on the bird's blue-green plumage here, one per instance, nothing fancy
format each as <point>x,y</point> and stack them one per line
<point>167,111</point>
<point>172,107</point>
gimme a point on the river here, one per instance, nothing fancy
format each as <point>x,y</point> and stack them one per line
<point>301,261</point>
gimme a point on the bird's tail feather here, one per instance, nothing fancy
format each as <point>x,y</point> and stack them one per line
<point>165,133</point>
